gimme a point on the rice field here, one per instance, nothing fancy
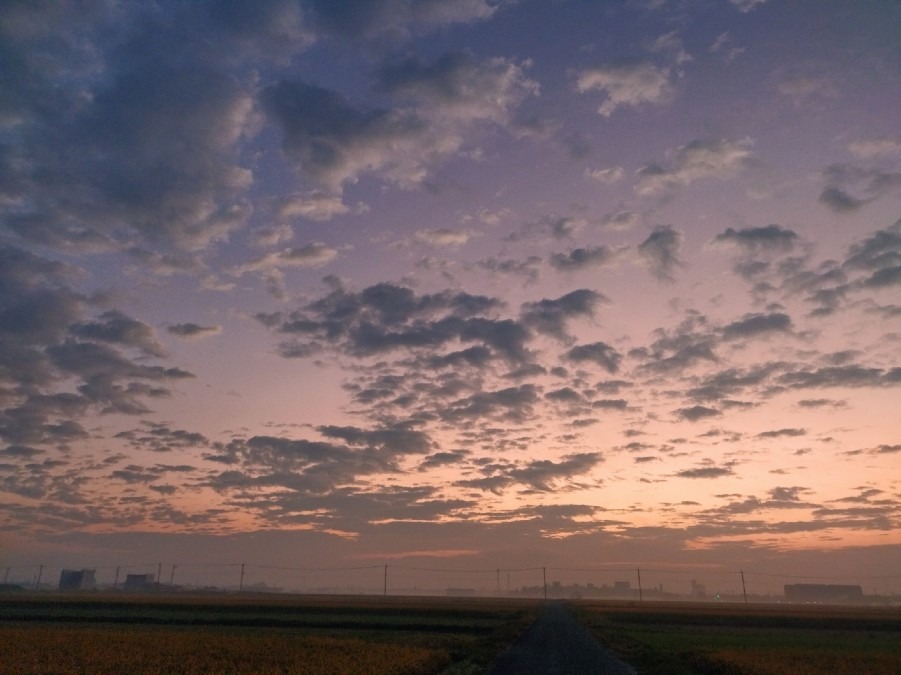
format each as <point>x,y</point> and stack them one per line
<point>253,634</point>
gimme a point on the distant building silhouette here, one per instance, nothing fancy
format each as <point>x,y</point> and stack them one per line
<point>139,582</point>
<point>76,580</point>
<point>823,593</point>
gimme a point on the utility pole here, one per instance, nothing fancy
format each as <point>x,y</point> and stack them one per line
<point>544,574</point>
<point>743,589</point>
<point>241,581</point>
<point>172,576</point>
<point>159,574</point>
<point>640,598</point>
<point>116,582</point>
<point>37,582</point>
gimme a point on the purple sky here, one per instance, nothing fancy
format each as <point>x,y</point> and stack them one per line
<point>500,283</point>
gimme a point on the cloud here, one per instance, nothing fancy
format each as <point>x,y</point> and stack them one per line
<point>689,344</point>
<point>549,317</point>
<point>528,268</point>
<point>384,318</point>
<point>870,184</point>
<point>335,142</point>
<point>746,6</point>
<point>781,433</point>
<point>193,330</point>
<point>314,254</point>
<point>606,176</point>
<point>626,85</point>
<point>541,475</point>
<point>759,239</point>
<point>700,159</point>
<point>117,328</point>
<point>875,147</point>
<point>697,412</point>
<point>621,220</point>
<point>582,258</point>
<point>879,255</point>
<point>660,251</point>
<point>754,325</point>
<point>315,205</point>
<point>705,472</point>
<point>850,376</point>
<point>442,237</point>
<point>353,19</point>
<point>598,353</point>
<point>802,88</point>
<point>513,404</point>
<point>148,151</point>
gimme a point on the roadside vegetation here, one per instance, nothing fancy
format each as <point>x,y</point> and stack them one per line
<point>700,639</point>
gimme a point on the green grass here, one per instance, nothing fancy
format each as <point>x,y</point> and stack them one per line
<point>742,640</point>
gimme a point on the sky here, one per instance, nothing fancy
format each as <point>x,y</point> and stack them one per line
<point>466,283</point>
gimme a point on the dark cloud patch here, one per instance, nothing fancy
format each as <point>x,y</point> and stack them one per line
<point>581,258</point>
<point>162,438</point>
<point>821,403</point>
<point>598,353</point>
<point>148,150</point>
<point>564,395</point>
<point>782,433</point>
<point>385,318</point>
<point>440,459</point>
<point>528,268</point>
<point>692,342</point>
<point>58,364</point>
<point>840,201</point>
<point>550,316</point>
<point>536,475</point>
<point>513,404</point>
<point>697,412</point>
<point>117,328</point>
<point>335,141</point>
<point>193,330</point>
<point>759,239</point>
<point>542,475</point>
<point>840,376</point>
<point>754,325</point>
<point>732,381</point>
<point>870,183</point>
<point>880,256</point>
<point>395,441</point>
<point>610,404</point>
<point>660,251</point>
<point>705,472</point>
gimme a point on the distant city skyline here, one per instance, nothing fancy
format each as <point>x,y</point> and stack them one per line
<point>452,283</point>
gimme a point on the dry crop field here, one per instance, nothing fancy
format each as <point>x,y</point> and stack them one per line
<point>260,633</point>
<point>699,638</point>
<point>115,633</point>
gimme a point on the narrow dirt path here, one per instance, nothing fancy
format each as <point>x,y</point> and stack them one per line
<point>558,644</point>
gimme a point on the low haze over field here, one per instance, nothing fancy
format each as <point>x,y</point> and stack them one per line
<point>499,282</point>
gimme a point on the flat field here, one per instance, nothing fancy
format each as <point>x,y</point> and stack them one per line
<point>699,638</point>
<point>266,633</point>
<point>247,633</point>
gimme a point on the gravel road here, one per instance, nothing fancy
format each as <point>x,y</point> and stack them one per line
<point>558,644</point>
